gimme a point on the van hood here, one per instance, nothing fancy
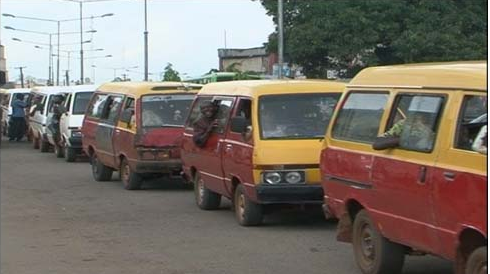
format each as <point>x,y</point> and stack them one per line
<point>288,152</point>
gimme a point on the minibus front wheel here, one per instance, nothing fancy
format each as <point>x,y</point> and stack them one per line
<point>374,253</point>
<point>247,212</point>
<point>131,180</point>
<point>478,261</point>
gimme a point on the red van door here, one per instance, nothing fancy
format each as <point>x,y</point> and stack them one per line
<point>238,150</point>
<point>105,131</point>
<point>91,121</point>
<point>403,176</point>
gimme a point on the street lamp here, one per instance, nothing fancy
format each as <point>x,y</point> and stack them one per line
<point>58,24</point>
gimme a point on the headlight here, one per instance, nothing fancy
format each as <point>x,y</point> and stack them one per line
<point>272,177</point>
<point>76,133</point>
<point>293,177</point>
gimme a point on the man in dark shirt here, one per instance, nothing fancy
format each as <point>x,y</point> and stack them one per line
<point>204,126</point>
<point>18,119</point>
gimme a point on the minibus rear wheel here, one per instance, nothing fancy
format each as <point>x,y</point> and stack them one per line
<point>131,180</point>
<point>99,170</point>
<point>478,261</point>
<point>374,253</point>
<point>247,212</point>
<point>205,198</point>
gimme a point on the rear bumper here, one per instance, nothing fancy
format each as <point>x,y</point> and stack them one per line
<point>168,166</point>
<point>288,194</point>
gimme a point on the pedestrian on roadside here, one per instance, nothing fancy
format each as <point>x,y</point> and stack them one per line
<point>18,118</point>
<point>204,126</point>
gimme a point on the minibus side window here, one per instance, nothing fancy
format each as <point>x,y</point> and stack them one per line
<point>359,117</point>
<point>472,119</point>
<point>244,110</point>
<point>195,113</point>
<point>129,105</point>
<point>68,102</point>
<point>223,115</point>
<point>414,121</point>
<point>97,106</point>
<point>111,109</point>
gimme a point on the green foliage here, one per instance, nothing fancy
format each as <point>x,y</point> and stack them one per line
<point>351,34</point>
<point>169,74</point>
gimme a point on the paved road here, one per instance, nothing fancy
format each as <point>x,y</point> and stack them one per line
<point>56,219</point>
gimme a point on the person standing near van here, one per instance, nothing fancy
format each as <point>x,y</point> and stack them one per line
<point>18,118</point>
<point>58,110</point>
<point>204,125</point>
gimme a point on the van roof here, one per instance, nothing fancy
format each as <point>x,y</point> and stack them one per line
<point>84,88</point>
<point>51,89</point>
<point>17,90</point>
<point>255,88</point>
<point>470,75</point>
<point>141,88</point>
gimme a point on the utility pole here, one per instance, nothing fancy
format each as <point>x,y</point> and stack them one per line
<point>146,43</point>
<point>81,45</point>
<point>280,38</point>
<point>21,75</point>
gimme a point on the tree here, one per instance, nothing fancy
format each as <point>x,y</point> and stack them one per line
<point>351,34</point>
<point>169,74</point>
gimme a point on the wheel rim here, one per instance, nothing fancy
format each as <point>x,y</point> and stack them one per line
<point>366,249</point>
<point>240,203</point>
<point>125,173</point>
<point>95,168</point>
<point>481,268</point>
<point>200,190</point>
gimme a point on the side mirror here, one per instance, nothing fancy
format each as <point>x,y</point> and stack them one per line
<point>239,124</point>
<point>126,115</point>
<point>381,143</point>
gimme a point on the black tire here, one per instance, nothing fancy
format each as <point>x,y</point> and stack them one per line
<point>205,198</point>
<point>374,253</point>
<point>59,151</point>
<point>99,170</point>
<point>35,142</point>
<point>478,261</point>
<point>130,179</point>
<point>70,154</point>
<point>247,212</point>
<point>44,145</point>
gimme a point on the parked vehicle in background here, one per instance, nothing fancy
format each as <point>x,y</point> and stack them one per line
<point>8,96</point>
<point>265,147</point>
<point>135,128</point>
<point>41,101</point>
<point>398,167</point>
<point>214,77</point>
<point>76,99</point>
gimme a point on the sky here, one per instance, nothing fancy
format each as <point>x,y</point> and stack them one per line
<point>185,33</point>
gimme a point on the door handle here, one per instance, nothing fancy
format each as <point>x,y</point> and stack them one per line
<point>118,131</point>
<point>449,176</point>
<point>422,175</point>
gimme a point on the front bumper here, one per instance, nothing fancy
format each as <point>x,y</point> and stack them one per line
<point>167,166</point>
<point>289,194</point>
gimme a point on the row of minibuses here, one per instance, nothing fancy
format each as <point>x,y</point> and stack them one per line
<point>397,155</point>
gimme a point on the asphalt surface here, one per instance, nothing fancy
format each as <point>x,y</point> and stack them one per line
<point>56,219</point>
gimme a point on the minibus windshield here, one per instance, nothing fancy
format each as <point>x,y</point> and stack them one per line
<point>296,116</point>
<point>165,110</point>
<point>81,102</point>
